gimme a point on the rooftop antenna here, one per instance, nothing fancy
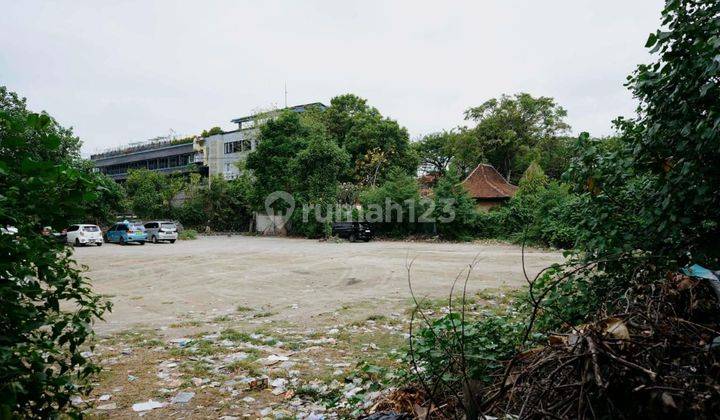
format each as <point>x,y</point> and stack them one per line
<point>285,94</point>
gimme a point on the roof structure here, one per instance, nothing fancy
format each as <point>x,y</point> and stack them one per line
<point>485,182</point>
<point>296,108</point>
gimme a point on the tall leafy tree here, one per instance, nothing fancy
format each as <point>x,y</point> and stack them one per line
<point>41,362</point>
<point>280,140</point>
<point>321,164</point>
<point>376,144</point>
<point>510,126</point>
<point>150,193</point>
<point>435,151</point>
<point>657,188</point>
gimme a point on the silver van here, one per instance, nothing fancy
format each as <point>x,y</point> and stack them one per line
<point>161,230</point>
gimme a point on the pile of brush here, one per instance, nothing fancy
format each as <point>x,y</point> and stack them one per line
<point>658,358</point>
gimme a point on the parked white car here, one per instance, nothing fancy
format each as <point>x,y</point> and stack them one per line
<point>84,235</point>
<point>161,230</point>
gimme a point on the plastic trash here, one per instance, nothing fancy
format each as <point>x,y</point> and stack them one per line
<point>147,405</point>
<point>182,397</point>
<point>701,272</point>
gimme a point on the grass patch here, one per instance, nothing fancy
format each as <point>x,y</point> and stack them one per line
<point>249,366</point>
<point>241,308</point>
<point>264,314</point>
<point>185,324</point>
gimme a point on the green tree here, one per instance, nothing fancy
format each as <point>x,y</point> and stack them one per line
<point>467,152</point>
<point>41,362</point>
<point>319,167</point>
<point>147,193</point>
<point>435,151</point>
<point>280,140</point>
<point>395,204</point>
<point>657,189</point>
<point>110,202</point>
<point>376,144</point>
<point>227,204</point>
<point>511,126</point>
<point>532,180</point>
<point>320,163</point>
<point>69,148</point>
<point>454,212</point>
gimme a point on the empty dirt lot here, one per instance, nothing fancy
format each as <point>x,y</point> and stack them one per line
<point>292,280</point>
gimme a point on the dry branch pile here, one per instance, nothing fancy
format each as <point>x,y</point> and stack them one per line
<point>658,358</point>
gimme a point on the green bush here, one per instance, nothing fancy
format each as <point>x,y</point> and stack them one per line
<point>454,212</point>
<point>487,343</point>
<point>41,341</point>
<point>391,205</point>
<point>187,234</point>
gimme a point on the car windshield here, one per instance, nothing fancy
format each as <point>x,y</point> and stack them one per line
<point>137,227</point>
<point>167,225</point>
<point>91,229</point>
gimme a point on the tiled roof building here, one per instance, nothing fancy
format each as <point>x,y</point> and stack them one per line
<point>488,187</point>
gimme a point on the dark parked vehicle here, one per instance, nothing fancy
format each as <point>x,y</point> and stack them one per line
<point>352,231</point>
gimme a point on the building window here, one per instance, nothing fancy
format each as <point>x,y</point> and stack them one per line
<point>233,147</point>
<point>238,146</point>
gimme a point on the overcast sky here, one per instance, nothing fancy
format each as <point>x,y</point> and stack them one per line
<point>131,70</point>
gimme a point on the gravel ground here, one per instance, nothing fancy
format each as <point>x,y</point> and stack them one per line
<point>296,281</point>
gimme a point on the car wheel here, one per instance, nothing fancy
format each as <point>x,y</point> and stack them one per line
<point>121,241</point>
<point>366,239</point>
<point>172,241</point>
<point>142,242</point>
<point>351,238</point>
<point>99,244</point>
<point>77,242</point>
<point>154,239</point>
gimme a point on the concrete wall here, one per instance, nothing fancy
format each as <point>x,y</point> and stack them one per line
<point>270,225</point>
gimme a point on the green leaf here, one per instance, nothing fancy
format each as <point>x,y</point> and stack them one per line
<point>652,39</point>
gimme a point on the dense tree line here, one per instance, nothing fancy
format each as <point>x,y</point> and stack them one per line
<point>350,154</point>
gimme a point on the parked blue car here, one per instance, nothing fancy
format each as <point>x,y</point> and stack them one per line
<point>125,232</point>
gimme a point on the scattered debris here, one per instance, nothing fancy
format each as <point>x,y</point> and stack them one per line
<point>273,359</point>
<point>111,406</point>
<point>181,342</point>
<point>147,406</point>
<point>182,397</point>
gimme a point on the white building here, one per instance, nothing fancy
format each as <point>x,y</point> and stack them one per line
<point>222,152</point>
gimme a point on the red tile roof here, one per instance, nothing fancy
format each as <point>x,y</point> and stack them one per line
<point>486,182</point>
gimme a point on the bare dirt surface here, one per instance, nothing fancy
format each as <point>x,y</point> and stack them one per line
<point>295,280</point>
<point>252,327</point>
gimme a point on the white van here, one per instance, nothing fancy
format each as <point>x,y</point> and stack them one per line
<point>160,230</point>
<point>84,235</point>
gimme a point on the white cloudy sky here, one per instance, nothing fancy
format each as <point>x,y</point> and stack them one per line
<point>130,70</point>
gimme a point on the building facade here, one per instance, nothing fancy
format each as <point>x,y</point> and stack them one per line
<point>223,152</point>
<point>169,156</point>
<point>219,154</point>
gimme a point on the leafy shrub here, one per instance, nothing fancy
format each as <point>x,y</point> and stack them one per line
<point>392,204</point>
<point>41,360</point>
<point>453,203</point>
<point>187,234</point>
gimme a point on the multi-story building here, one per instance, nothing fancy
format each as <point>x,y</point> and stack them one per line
<point>223,152</point>
<point>218,154</point>
<point>162,155</point>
